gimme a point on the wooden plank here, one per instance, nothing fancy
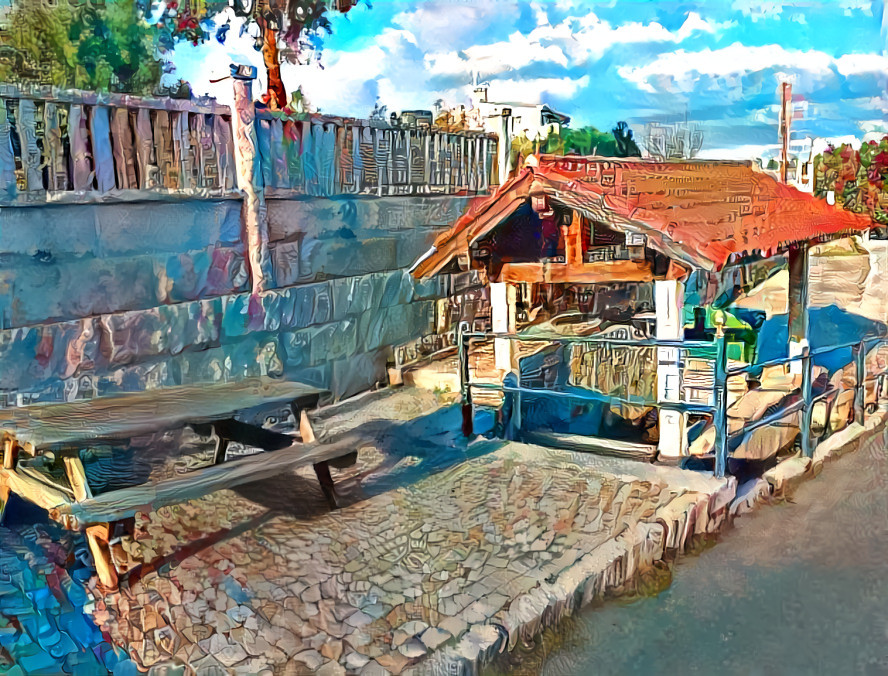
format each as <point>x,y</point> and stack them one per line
<point>142,412</point>
<point>145,150</point>
<point>163,150</point>
<point>123,150</point>
<point>54,148</point>
<point>32,163</point>
<point>8,184</point>
<point>224,145</point>
<point>127,502</point>
<point>81,160</point>
<point>100,135</point>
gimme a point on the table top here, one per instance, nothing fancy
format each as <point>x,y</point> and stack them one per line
<point>134,413</point>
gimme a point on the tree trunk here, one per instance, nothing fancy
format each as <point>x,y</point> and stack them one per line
<point>277,93</point>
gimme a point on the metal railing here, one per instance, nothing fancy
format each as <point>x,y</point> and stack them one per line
<point>717,410</point>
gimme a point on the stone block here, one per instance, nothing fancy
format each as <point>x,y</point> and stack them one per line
<point>285,261</point>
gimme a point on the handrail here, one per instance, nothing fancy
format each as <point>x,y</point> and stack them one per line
<point>804,400</point>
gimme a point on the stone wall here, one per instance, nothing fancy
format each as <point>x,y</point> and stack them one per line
<point>344,297</point>
<point>63,262</point>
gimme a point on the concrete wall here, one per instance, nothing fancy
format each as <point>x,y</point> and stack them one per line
<point>144,306</point>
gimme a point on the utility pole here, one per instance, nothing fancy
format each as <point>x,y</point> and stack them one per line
<point>785,121</point>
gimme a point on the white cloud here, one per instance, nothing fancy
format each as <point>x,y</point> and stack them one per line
<point>569,43</point>
<point>682,70</point>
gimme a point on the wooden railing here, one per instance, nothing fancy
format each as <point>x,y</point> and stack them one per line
<point>333,156</point>
<point>72,146</point>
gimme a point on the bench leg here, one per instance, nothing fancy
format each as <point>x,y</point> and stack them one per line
<point>4,499</point>
<point>97,536</point>
<point>322,470</point>
<point>305,430</point>
<point>221,448</point>
<point>77,477</point>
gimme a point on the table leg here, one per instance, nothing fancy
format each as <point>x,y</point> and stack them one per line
<point>322,470</point>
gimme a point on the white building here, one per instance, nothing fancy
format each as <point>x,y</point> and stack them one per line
<point>512,120</point>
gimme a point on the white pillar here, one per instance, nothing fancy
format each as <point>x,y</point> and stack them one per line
<point>503,297</point>
<point>668,303</point>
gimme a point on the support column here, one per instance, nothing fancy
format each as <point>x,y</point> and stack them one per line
<point>668,304</point>
<point>249,180</point>
<point>503,301</point>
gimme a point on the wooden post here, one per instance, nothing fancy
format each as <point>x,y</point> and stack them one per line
<point>249,180</point>
<point>503,302</point>
<point>97,536</point>
<point>720,417</point>
<point>860,387</point>
<point>668,302</point>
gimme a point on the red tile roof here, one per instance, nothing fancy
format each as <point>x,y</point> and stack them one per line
<point>701,212</point>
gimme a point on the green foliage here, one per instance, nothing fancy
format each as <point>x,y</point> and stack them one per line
<point>582,141</point>
<point>858,178</point>
<point>101,48</point>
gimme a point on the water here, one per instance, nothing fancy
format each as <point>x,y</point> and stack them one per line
<point>799,588</point>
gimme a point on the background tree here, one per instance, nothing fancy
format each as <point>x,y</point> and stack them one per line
<point>626,146</point>
<point>857,178</point>
<point>103,47</point>
<point>582,141</point>
<point>282,29</point>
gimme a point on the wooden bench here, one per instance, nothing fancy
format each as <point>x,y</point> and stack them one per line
<point>64,428</point>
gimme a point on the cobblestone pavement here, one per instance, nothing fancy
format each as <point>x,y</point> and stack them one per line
<point>437,536</point>
<point>374,587</point>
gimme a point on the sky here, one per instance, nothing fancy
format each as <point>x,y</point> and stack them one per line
<point>716,63</point>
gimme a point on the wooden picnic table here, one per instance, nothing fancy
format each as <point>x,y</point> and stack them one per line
<point>65,428</point>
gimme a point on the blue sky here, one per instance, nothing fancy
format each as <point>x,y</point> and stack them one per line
<point>717,62</point>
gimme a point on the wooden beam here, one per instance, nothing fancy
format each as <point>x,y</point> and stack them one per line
<point>588,273</point>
